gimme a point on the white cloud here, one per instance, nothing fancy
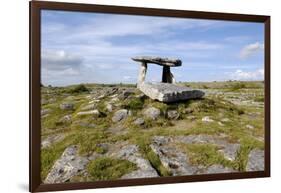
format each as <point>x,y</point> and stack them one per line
<point>60,60</point>
<point>251,49</point>
<point>237,39</point>
<point>99,47</point>
<point>247,75</point>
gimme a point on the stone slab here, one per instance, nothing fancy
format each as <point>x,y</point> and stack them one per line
<point>166,92</point>
<point>158,60</point>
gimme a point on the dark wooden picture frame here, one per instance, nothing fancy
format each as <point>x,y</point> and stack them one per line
<point>35,47</point>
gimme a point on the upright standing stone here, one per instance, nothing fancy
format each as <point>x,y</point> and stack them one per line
<point>142,72</point>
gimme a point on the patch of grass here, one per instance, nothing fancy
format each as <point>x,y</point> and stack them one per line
<point>52,121</point>
<point>156,163</point>
<point>160,122</point>
<point>247,144</point>
<point>106,168</point>
<point>205,154</point>
<point>134,104</point>
<point>163,107</point>
<point>259,99</point>
<point>205,86</point>
<point>88,141</point>
<point>215,105</point>
<point>237,86</point>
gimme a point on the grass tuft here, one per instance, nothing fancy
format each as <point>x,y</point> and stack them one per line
<point>105,168</point>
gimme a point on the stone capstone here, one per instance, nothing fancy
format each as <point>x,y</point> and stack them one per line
<point>158,60</point>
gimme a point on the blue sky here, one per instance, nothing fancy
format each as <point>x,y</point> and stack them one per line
<point>97,48</point>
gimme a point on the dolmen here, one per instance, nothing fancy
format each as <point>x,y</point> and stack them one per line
<point>167,90</point>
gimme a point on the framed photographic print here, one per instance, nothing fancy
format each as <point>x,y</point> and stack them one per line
<point>123,96</point>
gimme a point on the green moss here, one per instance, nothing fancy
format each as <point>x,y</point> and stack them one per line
<point>106,168</point>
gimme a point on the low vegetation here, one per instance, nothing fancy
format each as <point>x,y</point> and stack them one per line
<point>234,108</point>
<point>106,168</point>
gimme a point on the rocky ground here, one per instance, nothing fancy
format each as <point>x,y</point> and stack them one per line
<point>104,132</point>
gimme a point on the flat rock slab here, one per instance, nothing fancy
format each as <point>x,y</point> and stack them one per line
<point>166,92</point>
<point>229,150</point>
<point>216,169</point>
<point>172,158</point>
<point>67,166</point>
<point>131,153</point>
<point>255,160</point>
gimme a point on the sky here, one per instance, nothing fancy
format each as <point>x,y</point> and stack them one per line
<point>81,47</point>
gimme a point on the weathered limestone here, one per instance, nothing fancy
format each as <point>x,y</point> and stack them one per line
<point>169,92</point>
<point>255,160</point>
<point>172,158</point>
<point>132,154</point>
<point>67,166</point>
<point>142,72</point>
<point>166,91</point>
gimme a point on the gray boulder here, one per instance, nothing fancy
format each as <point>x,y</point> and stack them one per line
<point>120,115</point>
<point>173,114</point>
<point>125,94</point>
<point>152,113</point>
<point>139,121</point>
<point>67,106</point>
